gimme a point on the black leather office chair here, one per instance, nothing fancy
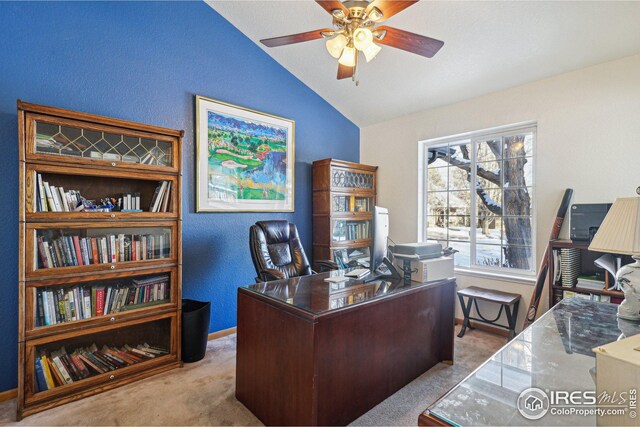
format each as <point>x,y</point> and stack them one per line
<point>277,253</point>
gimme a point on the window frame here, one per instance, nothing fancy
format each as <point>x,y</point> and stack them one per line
<point>475,137</point>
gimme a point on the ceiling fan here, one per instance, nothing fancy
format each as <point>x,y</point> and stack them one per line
<point>355,30</point>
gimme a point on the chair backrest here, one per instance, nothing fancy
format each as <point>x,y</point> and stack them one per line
<point>275,245</point>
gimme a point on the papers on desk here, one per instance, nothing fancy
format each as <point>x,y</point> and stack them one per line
<point>336,279</point>
<point>363,262</point>
<point>358,273</point>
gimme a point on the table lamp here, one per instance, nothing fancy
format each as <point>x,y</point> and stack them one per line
<point>620,234</point>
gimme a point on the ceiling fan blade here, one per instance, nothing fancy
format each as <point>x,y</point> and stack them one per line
<point>345,72</point>
<point>294,38</point>
<point>414,43</point>
<point>330,5</point>
<point>389,7</point>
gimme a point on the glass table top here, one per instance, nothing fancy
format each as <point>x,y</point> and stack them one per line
<point>554,354</point>
<point>315,295</point>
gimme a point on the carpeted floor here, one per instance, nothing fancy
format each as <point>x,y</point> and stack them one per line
<point>202,393</point>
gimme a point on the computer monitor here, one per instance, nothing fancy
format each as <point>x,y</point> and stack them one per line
<point>379,238</point>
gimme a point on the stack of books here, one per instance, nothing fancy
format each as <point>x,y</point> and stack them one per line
<point>160,200</point>
<point>57,368</point>
<point>351,204</point>
<point>351,231</point>
<point>590,297</point>
<point>569,266</point>
<point>590,282</point>
<point>130,202</point>
<point>55,199</point>
<point>70,251</point>
<point>57,305</point>
<point>360,204</point>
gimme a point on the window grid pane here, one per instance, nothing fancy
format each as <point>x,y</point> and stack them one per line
<point>489,223</point>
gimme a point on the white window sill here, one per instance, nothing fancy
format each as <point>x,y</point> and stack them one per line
<point>512,278</point>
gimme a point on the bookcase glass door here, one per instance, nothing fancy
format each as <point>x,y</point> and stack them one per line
<point>348,230</point>
<point>74,247</point>
<point>352,179</point>
<point>352,257</point>
<point>353,204</point>
<point>78,142</point>
<point>60,365</point>
<point>104,299</point>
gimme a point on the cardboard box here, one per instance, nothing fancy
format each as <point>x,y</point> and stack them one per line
<point>429,269</point>
<point>617,372</point>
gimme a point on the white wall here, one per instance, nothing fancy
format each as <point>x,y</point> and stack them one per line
<point>588,139</point>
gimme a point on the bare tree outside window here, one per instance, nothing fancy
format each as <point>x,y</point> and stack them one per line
<point>479,199</point>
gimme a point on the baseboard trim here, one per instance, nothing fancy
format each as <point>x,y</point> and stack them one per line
<point>222,333</point>
<point>486,328</point>
<point>9,394</point>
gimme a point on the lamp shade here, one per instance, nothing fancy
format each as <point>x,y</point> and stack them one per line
<point>362,38</point>
<point>371,51</point>
<point>348,57</point>
<point>335,45</point>
<point>620,230</point>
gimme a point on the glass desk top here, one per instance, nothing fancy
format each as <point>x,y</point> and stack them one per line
<point>554,354</point>
<point>315,295</point>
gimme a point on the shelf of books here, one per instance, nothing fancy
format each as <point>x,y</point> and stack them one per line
<point>344,195</point>
<point>97,356</point>
<point>61,193</point>
<point>349,205</point>
<point>100,254</point>
<point>350,230</point>
<point>70,248</point>
<point>577,272</point>
<point>69,304</point>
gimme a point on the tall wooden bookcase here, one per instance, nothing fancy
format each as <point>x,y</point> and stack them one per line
<point>99,157</point>
<point>344,194</point>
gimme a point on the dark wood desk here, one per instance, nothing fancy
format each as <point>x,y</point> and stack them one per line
<point>312,352</point>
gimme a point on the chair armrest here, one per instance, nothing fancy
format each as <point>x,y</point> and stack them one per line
<point>269,274</point>
<point>326,265</point>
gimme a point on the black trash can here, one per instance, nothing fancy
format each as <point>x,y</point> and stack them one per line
<point>195,329</point>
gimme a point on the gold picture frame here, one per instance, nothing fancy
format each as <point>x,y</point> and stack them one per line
<point>245,159</point>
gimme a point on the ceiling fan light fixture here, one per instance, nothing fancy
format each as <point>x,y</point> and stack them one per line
<point>362,38</point>
<point>375,14</point>
<point>371,51</point>
<point>336,45</point>
<point>338,13</point>
<point>348,57</point>
<point>379,34</point>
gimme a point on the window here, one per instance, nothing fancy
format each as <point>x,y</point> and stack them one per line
<point>489,222</point>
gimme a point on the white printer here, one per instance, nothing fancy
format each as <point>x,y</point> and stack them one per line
<point>425,260</point>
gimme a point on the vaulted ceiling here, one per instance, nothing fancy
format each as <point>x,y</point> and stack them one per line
<point>489,46</point>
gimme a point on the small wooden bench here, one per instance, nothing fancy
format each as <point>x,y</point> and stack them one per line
<point>508,302</point>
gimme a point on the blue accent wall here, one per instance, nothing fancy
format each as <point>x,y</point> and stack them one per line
<point>145,62</point>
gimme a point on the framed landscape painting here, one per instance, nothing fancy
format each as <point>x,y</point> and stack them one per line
<point>245,159</point>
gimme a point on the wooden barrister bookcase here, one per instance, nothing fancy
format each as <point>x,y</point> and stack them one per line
<point>98,157</point>
<point>344,195</point>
